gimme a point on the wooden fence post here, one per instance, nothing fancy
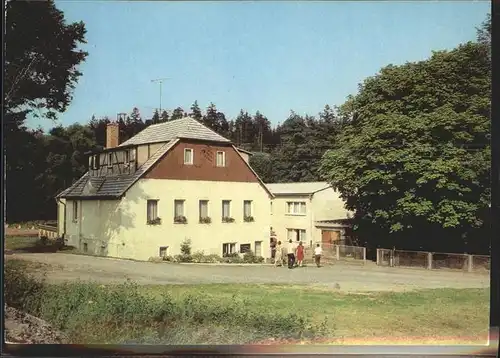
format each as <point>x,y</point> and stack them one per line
<point>364,255</point>
<point>378,257</point>
<point>337,252</point>
<point>470,266</point>
<point>429,260</point>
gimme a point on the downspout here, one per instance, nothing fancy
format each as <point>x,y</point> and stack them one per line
<point>312,218</point>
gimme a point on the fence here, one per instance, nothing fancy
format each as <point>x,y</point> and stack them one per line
<point>332,253</point>
<point>433,260</point>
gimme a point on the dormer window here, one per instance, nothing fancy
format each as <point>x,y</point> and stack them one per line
<point>94,162</point>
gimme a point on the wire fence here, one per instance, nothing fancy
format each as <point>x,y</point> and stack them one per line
<point>332,253</point>
<point>433,260</point>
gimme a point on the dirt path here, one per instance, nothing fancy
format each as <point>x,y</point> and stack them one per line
<point>69,267</point>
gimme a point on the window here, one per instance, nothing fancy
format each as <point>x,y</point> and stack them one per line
<point>221,159</point>
<point>178,208</point>
<point>228,249</point>
<point>297,235</point>
<point>203,209</point>
<point>126,159</point>
<point>110,159</point>
<point>296,207</point>
<point>247,208</point>
<point>245,248</point>
<point>75,211</point>
<point>188,156</point>
<point>152,208</point>
<point>96,161</point>
<point>163,251</point>
<point>226,208</point>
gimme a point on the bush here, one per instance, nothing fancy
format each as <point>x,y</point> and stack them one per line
<point>186,247</point>
<point>198,256</point>
<point>250,257</point>
<point>183,258</point>
<point>92,313</point>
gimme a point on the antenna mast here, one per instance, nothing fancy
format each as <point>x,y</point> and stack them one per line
<point>160,81</point>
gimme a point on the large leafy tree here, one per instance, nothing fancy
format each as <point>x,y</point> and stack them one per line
<point>42,56</point>
<point>41,59</point>
<point>414,160</point>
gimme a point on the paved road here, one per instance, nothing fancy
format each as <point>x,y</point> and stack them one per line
<point>68,267</point>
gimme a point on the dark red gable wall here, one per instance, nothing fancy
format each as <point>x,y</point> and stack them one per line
<point>172,166</point>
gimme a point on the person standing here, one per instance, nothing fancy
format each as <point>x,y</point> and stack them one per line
<point>300,254</point>
<point>278,257</point>
<point>317,254</point>
<point>291,254</point>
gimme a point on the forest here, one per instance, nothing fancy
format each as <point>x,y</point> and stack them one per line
<point>409,152</point>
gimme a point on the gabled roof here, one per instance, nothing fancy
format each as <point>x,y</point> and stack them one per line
<point>186,127</point>
<point>112,186</point>
<point>297,188</point>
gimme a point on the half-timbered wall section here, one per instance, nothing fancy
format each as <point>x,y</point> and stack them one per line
<point>113,162</point>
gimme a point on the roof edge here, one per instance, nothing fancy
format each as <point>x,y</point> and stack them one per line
<point>253,171</point>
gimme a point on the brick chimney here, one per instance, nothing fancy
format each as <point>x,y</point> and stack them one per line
<point>112,135</point>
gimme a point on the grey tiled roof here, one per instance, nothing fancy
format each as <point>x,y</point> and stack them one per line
<point>112,186</point>
<point>186,127</point>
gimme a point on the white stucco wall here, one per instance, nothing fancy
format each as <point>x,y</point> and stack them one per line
<point>120,229</point>
<point>327,205</point>
<point>60,216</point>
<point>282,221</point>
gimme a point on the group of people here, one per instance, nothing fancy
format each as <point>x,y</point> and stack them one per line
<point>294,253</point>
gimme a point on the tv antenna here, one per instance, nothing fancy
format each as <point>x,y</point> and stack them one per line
<point>160,81</point>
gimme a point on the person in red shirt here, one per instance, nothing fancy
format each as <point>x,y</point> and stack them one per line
<point>300,254</point>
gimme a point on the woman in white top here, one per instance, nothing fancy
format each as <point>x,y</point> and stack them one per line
<point>317,254</point>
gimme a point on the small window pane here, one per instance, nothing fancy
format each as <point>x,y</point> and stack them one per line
<point>179,208</point>
<point>221,159</point>
<point>302,208</point>
<point>152,207</point>
<point>247,208</point>
<point>303,236</point>
<point>226,208</point>
<point>245,248</point>
<point>203,209</point>
<point>188,156</point>
<point>75,210</point>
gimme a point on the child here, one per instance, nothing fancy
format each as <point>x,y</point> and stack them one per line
<point>317,254</point>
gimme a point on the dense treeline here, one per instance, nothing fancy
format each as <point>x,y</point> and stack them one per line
<point>50,162</point>
<point>409,153</point>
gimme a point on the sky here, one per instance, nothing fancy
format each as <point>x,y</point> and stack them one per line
<point>268,56</point>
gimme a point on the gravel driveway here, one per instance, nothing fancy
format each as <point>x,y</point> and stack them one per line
<point>69,267</point>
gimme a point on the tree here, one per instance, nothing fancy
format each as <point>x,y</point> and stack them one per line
<point>210,118</point>
<point>156,117</point>
<point>262,128</point>
<point>178,113</point>
<point>132,125</point>
<point>263,164</point>
<point>42,58</point>
<point>164,117</point>
<point>413,162</point>
<point>196,111</point>
<point>40,72</point>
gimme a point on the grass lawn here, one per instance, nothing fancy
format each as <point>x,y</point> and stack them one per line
<point>449,315</point>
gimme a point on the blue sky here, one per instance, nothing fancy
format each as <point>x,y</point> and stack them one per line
<point>267,56</point>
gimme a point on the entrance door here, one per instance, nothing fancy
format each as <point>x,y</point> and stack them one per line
<point>258,248</point>
<point>330,236</point>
